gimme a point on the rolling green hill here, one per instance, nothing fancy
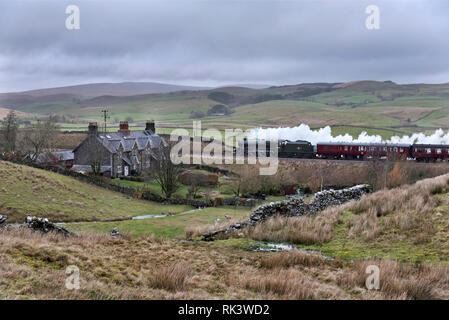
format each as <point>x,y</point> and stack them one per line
<point>28,191</point>
<point>382,106</point>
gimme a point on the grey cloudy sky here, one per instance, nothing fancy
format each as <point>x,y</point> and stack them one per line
<point>215,42</point>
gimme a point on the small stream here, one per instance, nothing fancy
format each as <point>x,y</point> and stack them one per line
<point>279,247</point>
<point>141,217</point>
<point>155,216</point>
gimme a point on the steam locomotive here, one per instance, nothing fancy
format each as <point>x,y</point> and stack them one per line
<point>350,150</point>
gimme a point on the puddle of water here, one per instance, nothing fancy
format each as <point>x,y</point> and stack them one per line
<point>149,216</point>
<point>272,247</point>
<point>278,247</point>
<point>146,216</point>
<point>155,216</point>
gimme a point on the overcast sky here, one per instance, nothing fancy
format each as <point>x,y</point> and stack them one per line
<point>215,42</point>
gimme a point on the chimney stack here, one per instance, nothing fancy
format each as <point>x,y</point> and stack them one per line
<point>93,128</point>
<point>123,127</point>
<point>150,126</point>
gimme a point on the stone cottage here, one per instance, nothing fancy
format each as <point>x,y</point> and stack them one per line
<point>118,153</point>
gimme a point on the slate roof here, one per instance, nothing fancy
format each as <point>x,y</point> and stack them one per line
<point>113,140</point>
<point>63,155</point>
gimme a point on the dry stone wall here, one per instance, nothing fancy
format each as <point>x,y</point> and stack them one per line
<point>296,207</point>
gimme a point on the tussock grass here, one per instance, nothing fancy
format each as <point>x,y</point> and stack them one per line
<point>409,208</point>
<point>288,284</point>
<point>172,277</point>
<point>305,230</point>
<point>401,281</point>
<point>32,266</point>
<point>292,258</point>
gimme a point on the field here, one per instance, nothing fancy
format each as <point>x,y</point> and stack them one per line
<point>409,224</point>
<point>28,191</point>
<point>408,243</point>
<point>382,108</point>
<point>166,227</point>
<point>402,228</point>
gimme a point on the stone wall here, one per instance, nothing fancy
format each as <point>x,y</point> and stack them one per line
<point>296,207</point>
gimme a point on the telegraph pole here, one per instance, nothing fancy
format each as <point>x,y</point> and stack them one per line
<point>106,116</point>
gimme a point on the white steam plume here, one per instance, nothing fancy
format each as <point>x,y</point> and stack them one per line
<point>303,132</point>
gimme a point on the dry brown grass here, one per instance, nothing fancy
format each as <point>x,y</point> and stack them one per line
<point>408,208</point>
<point>172,277</point>
<point>310,229</point>
<point>33,266</point>
<point>292,258</point>
<point>401,281</point>
<point>288,284</point>
<point>197,231</point>
<point>364,225</point>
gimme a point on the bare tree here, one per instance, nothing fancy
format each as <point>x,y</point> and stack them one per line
<point>165,172</point>
<point>10,129</point>
<point>40,137</point>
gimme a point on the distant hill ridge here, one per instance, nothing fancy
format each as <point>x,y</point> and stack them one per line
<point>113,89</point>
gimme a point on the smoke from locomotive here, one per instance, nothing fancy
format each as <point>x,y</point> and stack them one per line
<point>303,132</point>
<point>302,142</point>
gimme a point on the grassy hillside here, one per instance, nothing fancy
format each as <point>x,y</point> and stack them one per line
<point>404,232</point>
<point>410,223</point>
<point>32,266</point>
<point>168,227</point>
<point>29,191</point>
<point>381,106</point>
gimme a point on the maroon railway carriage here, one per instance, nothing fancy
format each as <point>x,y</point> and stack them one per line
<point>430,152</point>
<point>351,150</point>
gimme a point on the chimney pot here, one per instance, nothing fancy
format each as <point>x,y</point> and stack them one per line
<point>93,128</point>
<point>150,126</point>
<point>123,127</point>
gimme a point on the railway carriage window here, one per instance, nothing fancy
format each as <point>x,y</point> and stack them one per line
<point>385,149</point>
<point>401,150</point>
<point>428,150</point>
<point>395,149</point>
<point>438,150</point>
<point>346,148</point>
